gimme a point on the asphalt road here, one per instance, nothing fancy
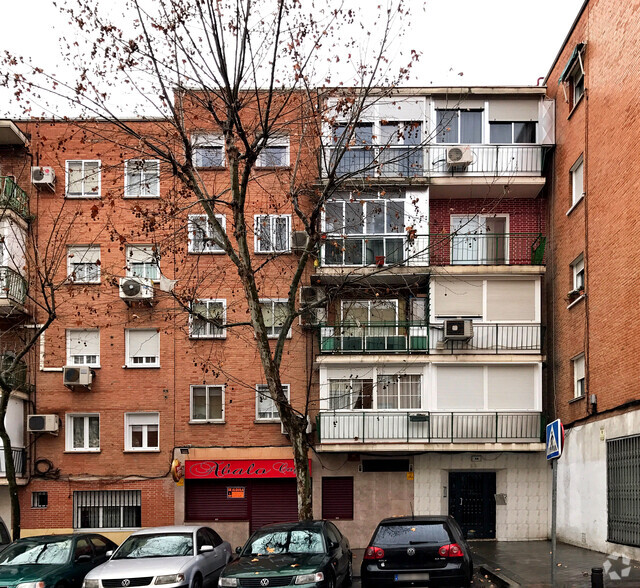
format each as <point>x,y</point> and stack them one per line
<point>478,580</point>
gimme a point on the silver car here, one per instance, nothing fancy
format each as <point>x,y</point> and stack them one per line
<point>180,556</point>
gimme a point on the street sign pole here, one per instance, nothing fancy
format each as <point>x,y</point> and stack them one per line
<point>554,506</point>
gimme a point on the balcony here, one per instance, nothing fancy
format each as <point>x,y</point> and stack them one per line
<point>19,462</point>
<point>13,197</point>
<point>371,426</point>
<point>13,288</point>
<point>407,337</point>
<point>434,250</point>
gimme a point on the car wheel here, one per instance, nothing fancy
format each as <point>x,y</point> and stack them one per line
<point>197,581</point>
<point>348,579</point>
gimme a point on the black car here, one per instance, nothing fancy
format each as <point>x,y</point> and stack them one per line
<point>309,553</point>
<point>417,551</point>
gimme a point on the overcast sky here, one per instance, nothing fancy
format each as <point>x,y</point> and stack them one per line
<point>463,42</point>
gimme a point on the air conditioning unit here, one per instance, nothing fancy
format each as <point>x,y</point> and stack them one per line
<point>298,241</point>
<point>458,329</point>
<point>312,317</point>
<point>459,156</point>
<point>43,177</point>
<point>135,288</point>
<point>77,375</point>
<point>307,430</point>
<point>43,423</point>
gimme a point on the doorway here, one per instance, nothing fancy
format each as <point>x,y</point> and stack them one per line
<point>472,503</point>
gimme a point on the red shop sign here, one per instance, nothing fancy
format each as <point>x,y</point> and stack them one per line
<point>240,468</point>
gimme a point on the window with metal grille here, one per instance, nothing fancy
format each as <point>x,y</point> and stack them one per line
<point>623,491</point>
<point>337,498</point>
<point>106,509</point>
<point>39,500</point>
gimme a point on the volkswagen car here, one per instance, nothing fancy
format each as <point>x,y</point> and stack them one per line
<point>415,551</point>
<point>179,556</point>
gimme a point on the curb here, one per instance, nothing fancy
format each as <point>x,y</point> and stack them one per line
<point>500,580</point>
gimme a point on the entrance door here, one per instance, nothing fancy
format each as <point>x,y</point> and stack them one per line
<point>472,503</point>
<point>479,240</point>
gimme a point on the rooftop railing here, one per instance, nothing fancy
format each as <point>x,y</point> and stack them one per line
<point>13,197</point>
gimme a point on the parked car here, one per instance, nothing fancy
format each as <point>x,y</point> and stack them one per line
<point>52,560</point>
<point>169,556</point>
<point>5,536</point>
<point>410,551</point>
<point>309,553</point>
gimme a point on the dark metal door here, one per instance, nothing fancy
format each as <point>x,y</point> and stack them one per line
<point>472,503</point>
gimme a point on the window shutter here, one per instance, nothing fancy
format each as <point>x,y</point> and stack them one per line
<point>144,343</point>
<point>84,342</point>
<point>458,297</point>
<point>337,498</point>
<point>511,300</point>
<point>460,387</point>
<point>265,510</point>
<point>139,254</point>
<point>511,387</point>
<point>78,254</point>
<point>513,110</point>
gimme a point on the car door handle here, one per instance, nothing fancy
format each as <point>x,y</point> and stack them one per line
<point>461,502</point>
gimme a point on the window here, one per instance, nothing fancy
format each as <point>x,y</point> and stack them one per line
<point>337,499</point>
<point>265,406</point>
<point>82,432</point>
<point>142,178</point>
<point>141,431</point>
<point>107,509</point>
<point>356,156</point>
<point>83,264</point>
<point>83,179</point>
<point>623,490</point>
<point>352,394</point>
<point>143,348</point>
<point>275,153</point>
<point>458,126</point>
<point>579,386</point>
<point>208,151</point>
<point>274,313</point>
<point>272,233</point>
<point>207,319</point>
<point>400,154</point>
<point>512,132</point>
<point>399,392</point>
<point>83,347</point>
<point>577,84</point>
<point>577,181</point>
<point>577,270</point>
<point>207,403</point>
<point>39,499</point>
<point>201,234</point>
<point>143,262</point>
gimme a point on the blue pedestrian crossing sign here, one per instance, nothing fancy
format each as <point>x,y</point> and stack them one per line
<point>555,439</point>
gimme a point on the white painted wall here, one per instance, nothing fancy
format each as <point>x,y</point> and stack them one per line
<point>582,483</point>
<point>524,477</point>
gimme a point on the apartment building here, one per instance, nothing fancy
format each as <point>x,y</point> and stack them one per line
<point>592,211</point>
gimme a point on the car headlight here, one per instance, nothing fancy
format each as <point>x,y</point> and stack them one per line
<point>227,581</point>
<point>310,578</point>
<point>39,584</point>
<point>170,579</point>
<point>91,583</point>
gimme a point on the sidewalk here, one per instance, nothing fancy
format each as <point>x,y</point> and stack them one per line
<point>528,563</point>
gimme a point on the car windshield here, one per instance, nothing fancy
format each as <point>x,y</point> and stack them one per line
<point>29,552</point>
<point>156,545</point>
<point>413,533</point>
<point>276,542</point>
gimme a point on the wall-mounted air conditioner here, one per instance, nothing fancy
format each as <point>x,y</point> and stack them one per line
<point>307,430</point>
<point>43,177</point>
<point>43,423</point>
<point>135,288</point>
<point>459,156</point>
<point>458,329</point>
<point>77,376</point>
<point>298,241</point>
<point>312,317</point>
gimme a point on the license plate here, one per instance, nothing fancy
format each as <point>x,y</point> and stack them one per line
<point>411,577</point>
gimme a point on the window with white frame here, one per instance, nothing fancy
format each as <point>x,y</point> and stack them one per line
<point>350,393</point>
<point>274,313</point>
<point>576,78</point>
<point>577,271</point>
<point>512,132</point>
<point>143,348</point>
<point>579,385</point>
<point>272,233</point>
<point>143,262</point>
<point>142,431</point>
<point>82,432</point>
<point>83,347</point>
<point>400,391</point>
<point>83,179</point>
<point>275,153</point>
<point>577,180</point>
<point>458,126</point>
<point>207,319</point>
<point>207,403</point>
<point>372,319</point>
<point>142,178</point>
<point>201,234</point>
<point>265,406</point>
<point>83,264</point>
<point>106,509</point>
<point>208,151</point>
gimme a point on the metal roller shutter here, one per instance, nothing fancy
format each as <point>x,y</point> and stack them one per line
<point>273,501</point>
<point>206,500</point>
<point>337,498</point>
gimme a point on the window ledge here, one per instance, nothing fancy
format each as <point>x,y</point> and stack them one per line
<point>140,367</point>
<point>577,399</point>
<point>210,338</point>
<point>76,283</point>
<point>266,422</point>
<point>206,252</point>
<point>81,196</point>
<point>141,451</point>
<point>575,204</point>
<point>72,451</point>
<point>211,167</point>
<point>284,252</point>
<point>578,299</point>
<point>271,167</point>
<point>209,422</point>
<point>145,197</point>
<point>575,106</point>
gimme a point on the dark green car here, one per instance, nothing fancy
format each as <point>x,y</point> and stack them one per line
<point>52,561</point>
<point>304,553</point>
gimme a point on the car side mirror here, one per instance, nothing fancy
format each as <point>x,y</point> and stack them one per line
<point>238,550</point>
<point>109,553</point>
<point>83,557</point>
<point>206,548</point>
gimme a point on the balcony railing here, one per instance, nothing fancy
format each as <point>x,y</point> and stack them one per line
<point>12,285</point>
<point>372,426</point>
<point>431,161</point>
<point>19,462</point>
<point>13,197</point>
<point>411,337</point>
<point>435,249</point>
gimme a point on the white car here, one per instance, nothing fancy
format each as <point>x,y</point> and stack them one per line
<point>179,556</point>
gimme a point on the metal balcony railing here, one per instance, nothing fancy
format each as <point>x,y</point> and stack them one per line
<point>411,337</point>
<point>12,285</point>
<point>418,426</point>
<point>19,462</point>
<point>434,249</point>
<point>13,197</point>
